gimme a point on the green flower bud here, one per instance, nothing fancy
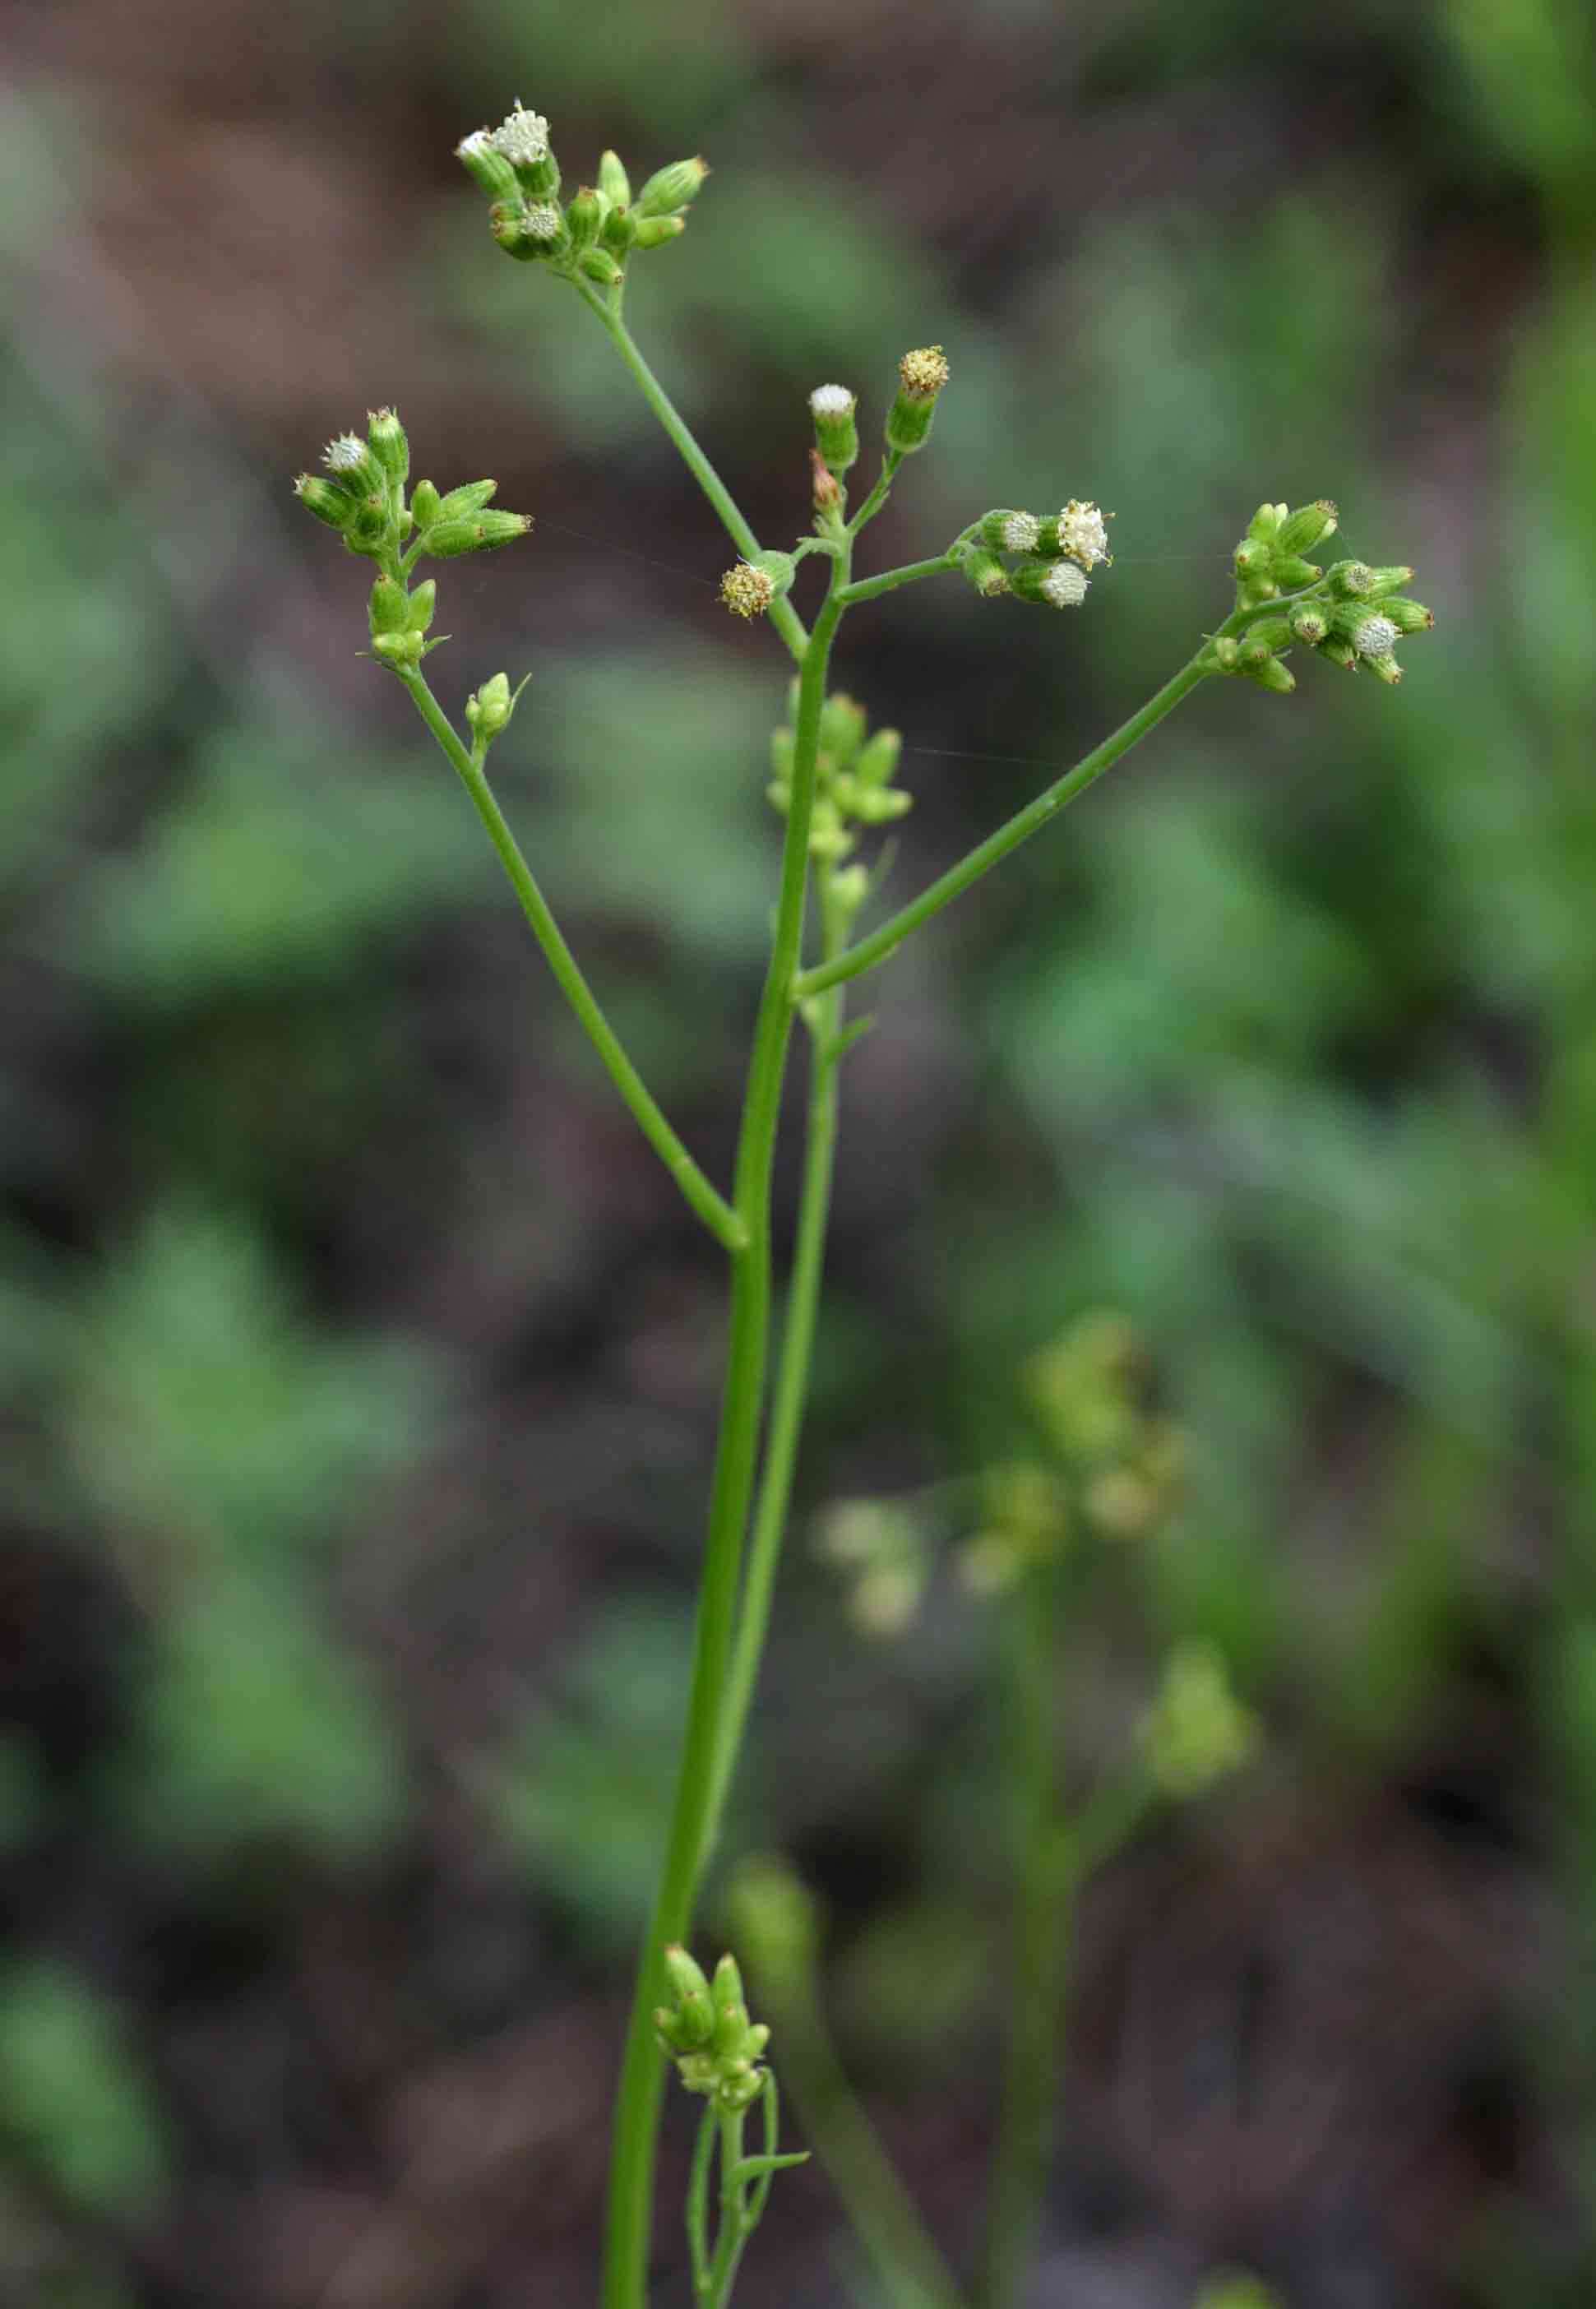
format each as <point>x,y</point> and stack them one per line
<point>389,444</point>
<point>461,504</point>
<point>850,888</point>
<point>422,606</point>
<point>877,764</point>
<point>487,165</point>
<point>372,526</point>
<point>1253,558</point>
<point>613,180</point>
<point>1054,585</point>
<point>1308,622</point>
<point>1407,616</point>
<point>1351,581</point>
<point>389,607</point>
<point>655,232</point>
<point>446,540</point>
<point>599,266</point>
<point>671,188</point>
<point>489,708</point>
<point>1302,530</point>
<point>1269,675</point>
<point>1291,574</point>
<point>397,649</point>
<point>1226,653</point>
<point>836,431</point>
<point>783,746</point>
<point>1006,531</point>
<point>530,231</point>
<point>1196,1730</point>
<point>354,466</point>
<point>1270,634</point>
<point>1385,666</point>
<point>1339,650</point>
<point>842,725</point>
<point>1265,524</point>
<point>619,231</point>
<point>985,572</point>
<point>685,1974</point>
<point>879,805</point>
<point>326,499</point>
<point>921,377</point>
<point>1391,580</point>
<point>425,504</point>
<point>584,216</point>
<point>726,1989</point>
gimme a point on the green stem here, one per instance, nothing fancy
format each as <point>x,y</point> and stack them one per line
<point>877,498</point>
<point>1025,2132</point>
<point>792,1374</point>
<point>910,2270</point>
<point>782,615</point>
<point>642,2084</point>
<point>698,2200</point>
<point>732,2235</point>
<point>867,588</point>
<point>886,940</point>
<point>711,1208</point>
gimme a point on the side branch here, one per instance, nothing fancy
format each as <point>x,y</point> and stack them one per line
<point>710,1206</point>
<point>884,941</point>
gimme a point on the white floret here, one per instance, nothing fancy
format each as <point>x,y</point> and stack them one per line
<point>1083,533</point>
<point>1376,637</point>
<point>832,400</point>
<point>1065,586</point>
<point>344,455</point>
<point>522,136</point>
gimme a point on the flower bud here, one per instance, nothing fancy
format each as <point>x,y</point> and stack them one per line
<point>1264,524</point>
<point>877,762</point>
<point>726,1989</point>
<point>1269,634</point>
<point>850,888</point>
<point>527,231</point>
<point>836,432</point>
<point>1080,531</point>
<point>1302,530</point>
<point>354,466</point>
<point>879,805</point>
<point>825,491</point>
<point>488,166</point>
<point>1385,666</point>
<point>1226,653</point>
<point>1253,558</point>
<point>842,723</point>
<point>1006,531</point>
<point>1196,1730</point>
<point>619,231</point>
<point>326,499</point>
<point>422,606</point>
<point>1351,581</point>
<point>613,180</point>
<point>446,540</point>
<point>1391,580</point>
<point>396,651</point>
<point>425,504</point>
<point>469,498</point>
<point>921,375</point>
<point>1270,674</point>
<point>1308,622</point>
<point>985,572</point>
<point>1291,573</point>
<point>671,188</point>
<point>389,445</point>
<point>655,232</point>
<point>489,708</point>
<point>583,216</point>
<point>1407,616</point>
<point>601,267</point>
<point>1339,650</point>
<point>389,607</point>
<point>1054,584</point>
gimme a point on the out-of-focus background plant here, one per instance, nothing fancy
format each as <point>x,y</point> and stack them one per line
<point>358,1365</point>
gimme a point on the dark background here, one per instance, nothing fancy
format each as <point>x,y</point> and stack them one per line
<point>359,1362</point>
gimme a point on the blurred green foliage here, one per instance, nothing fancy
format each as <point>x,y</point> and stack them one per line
<point>1286,1042</point>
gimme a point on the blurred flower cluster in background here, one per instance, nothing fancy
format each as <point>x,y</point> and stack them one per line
<point>358,1365</point>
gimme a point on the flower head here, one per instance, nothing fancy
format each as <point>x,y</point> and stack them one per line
<point>1063,587</point>
<point>522,136</point>
<point>346,454</point>
<point>1376,637</point>
<point>748,592</point>
<point>1082,533</point>
<point>833,401</point>
<point>924,372</point>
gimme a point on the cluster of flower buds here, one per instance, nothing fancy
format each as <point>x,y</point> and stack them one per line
<point>1196,1730</point>
<point>1025,1521</point>
<point>1040,557</point>
<point>487,710</point>
<point>882,1547</point>
<point>1091,1394</point>
<point>596,231</point>
<point>362,497</point>
<point>854,776</point>
<point>707,2032</point>
<point>1350,613</point>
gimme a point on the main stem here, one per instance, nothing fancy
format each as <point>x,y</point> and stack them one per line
<point>1041,1927</point>
<point>792,1373</point>
<point>642,2084</point>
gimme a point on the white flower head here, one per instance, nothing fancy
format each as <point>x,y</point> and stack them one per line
<point>1084,535</point>
<point>1376,637</point>
<point>1020,532</point>
<point>480,140</point>
<point>1063,585</point>
<point>541,220</point>
<point>833,401</point>
<point>344,456</point>
<point>522,136</point>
